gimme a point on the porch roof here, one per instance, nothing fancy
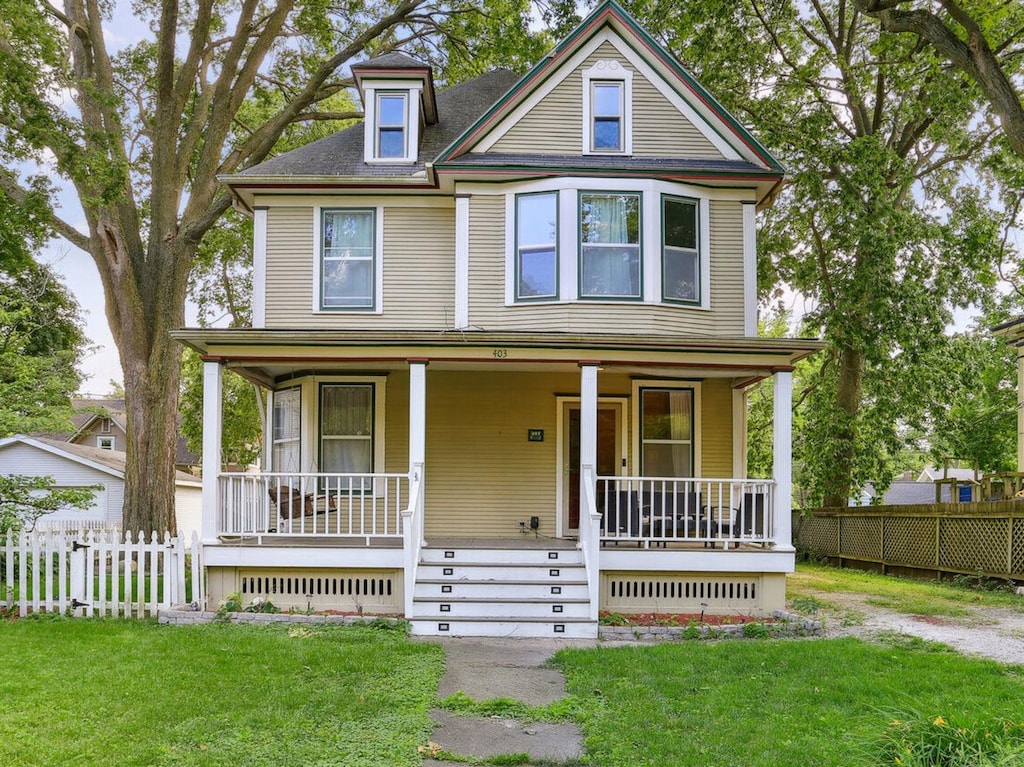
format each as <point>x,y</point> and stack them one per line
<point>263,355</point>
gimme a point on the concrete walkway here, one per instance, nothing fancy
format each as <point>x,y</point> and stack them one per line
<point>485,669</point>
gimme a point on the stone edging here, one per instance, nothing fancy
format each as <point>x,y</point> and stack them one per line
<point>785,625</point>
<point>185,615</point>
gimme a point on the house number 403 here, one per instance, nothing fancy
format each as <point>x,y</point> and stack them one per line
<point>500,353</point>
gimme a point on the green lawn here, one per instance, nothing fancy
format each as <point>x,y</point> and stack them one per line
<point>761,703</point>
<point>106,692</point>
<point>916,597</point>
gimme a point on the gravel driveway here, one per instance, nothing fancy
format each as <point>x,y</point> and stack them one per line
<point>990,632</point>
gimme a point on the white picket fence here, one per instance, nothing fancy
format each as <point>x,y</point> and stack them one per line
<point>99,573</point>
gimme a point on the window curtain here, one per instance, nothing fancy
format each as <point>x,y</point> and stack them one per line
<point>611,253</point>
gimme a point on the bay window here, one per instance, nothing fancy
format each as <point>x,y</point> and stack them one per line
<point>536,246</point>
<point>610,245</point>
<point>680,256</point>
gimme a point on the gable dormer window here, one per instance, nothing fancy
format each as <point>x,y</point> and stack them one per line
<point>607,109</point>
<point>392,119</point>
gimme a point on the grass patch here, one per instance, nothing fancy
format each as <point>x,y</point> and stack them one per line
<point>103,692</point>
<point>558,711</point>
<point>766,704</point>
<point>909,596</point>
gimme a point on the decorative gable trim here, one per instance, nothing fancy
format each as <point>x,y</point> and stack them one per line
<point>700,107</point>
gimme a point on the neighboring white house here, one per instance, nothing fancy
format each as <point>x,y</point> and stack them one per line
<point>73,465</point>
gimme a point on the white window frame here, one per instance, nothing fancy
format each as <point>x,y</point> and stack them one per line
<point>378,260</point>
<point>104,426</point>
<point>608,71</point>
<point>105,443</point>
<point>638,442</point>
<point>651,191</point>
<point>665,199</point>
<point>412,92</point>
<point>379,384</point>
<point>280,402</point>
<point>519,249</point>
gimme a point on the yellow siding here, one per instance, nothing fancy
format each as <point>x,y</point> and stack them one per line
<point>716,427</point>
<point>418,271</point>
<point>482,473</point>
<point>555,125</point>
<point>396,423</point>
<point>487,308</point>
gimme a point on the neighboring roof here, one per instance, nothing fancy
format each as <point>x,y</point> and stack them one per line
<point>930,474</point>
<point>341,154</point>
<point>108,461</point>
<point>903,492</point>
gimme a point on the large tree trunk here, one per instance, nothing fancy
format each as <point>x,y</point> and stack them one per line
<point>838,474</point>
<point>145,299</point>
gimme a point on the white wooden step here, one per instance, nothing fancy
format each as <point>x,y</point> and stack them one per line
<point>567,629</point>
<point>500,608</point>
<point>504,573</point>
<point>534,589</point>
<point>501,556</point>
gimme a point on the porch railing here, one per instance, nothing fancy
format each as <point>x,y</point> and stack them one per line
<point>312,505</point>
<point>667,509</point>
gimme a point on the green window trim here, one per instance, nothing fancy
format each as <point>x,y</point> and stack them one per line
<point>601,118</point>
<point>648,437</point>
<point>536,248</point>
<point>674,267</point>
<point>370,438</point>
<point>584,275</point>
<point>362,265</point>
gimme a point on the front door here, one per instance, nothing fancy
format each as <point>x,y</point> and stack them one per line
<point>609,426</point>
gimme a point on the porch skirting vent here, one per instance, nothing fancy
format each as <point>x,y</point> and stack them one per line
<point>679,592</point>
<point>369,591</point>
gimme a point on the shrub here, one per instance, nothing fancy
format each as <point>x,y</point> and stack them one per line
<point>915,740</point>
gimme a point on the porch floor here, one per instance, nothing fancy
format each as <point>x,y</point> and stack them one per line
<point>521,542</point>
<point>310,541</point>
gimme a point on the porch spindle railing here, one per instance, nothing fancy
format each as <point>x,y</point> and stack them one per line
<point>662,509</point>
<point>412,532</point>
<point>590,538</point>
<point>312,505</point>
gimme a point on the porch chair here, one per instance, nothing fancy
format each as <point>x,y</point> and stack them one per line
<point>621,514</point>
<point>672,514</point>
<point>748,520</point>
<point>291,503</point>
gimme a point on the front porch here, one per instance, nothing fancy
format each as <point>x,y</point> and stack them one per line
<point>391,461</point>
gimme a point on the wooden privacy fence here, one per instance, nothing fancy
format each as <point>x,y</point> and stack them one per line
<point>943,538</point>
<point>99,573</point>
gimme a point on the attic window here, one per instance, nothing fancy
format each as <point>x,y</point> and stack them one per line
<point>105,443</point>
<point>105,426</point>
<point>391,125</point>
<point>607,109</point>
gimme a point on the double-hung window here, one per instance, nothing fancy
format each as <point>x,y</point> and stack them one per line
<point>391,125</point>
<point>286,431</point>
<point>610,245</point>
<point>346,431</point>
<point>537,246</point>
<point>607,107</point>
<point>347,279</point>
<point>680,255</point>
<point>666,432</point>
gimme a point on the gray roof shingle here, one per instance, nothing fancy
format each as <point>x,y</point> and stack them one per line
<point>341,154</point>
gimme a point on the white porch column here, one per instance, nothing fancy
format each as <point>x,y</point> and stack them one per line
<point>461,261</point>
<point>782,469</point>
<point>588,422</point>
<point>213,409</point>
<point>417,412</point>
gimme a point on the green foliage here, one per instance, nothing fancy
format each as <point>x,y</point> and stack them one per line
<point>242,402</point>
<point>755,630</point>
<point>23,499</point>
<point>913,739</point>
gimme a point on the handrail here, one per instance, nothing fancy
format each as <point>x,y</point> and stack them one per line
<point>412,533</point>
<point>590,538</point>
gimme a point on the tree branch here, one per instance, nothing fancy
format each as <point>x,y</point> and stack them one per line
<point>12,188</point>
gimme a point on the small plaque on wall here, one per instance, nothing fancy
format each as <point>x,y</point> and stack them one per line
<point>535,435</point>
